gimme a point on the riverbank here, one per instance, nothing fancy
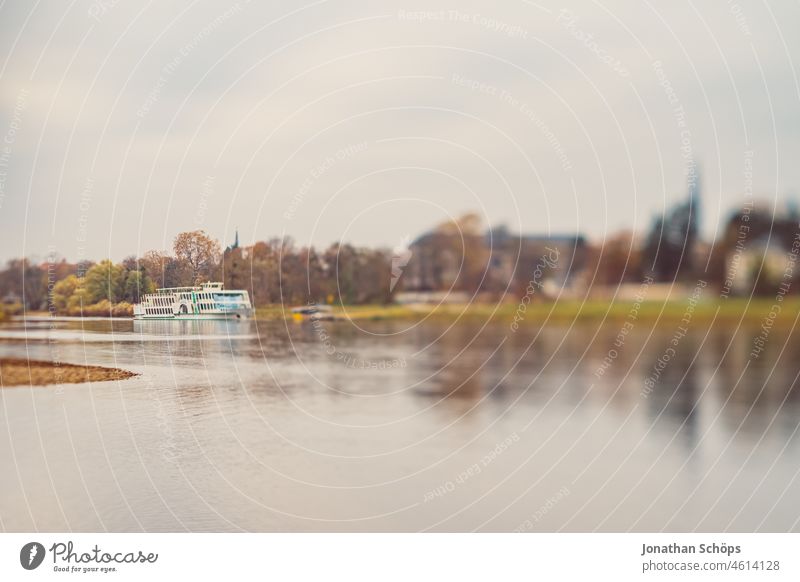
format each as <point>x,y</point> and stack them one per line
<point>20,372</point>
<point>565,311</point>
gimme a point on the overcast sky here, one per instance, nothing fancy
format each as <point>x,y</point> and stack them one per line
<point>123,123</point>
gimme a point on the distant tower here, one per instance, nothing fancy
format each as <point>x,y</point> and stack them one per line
<point>670,246</point>
<point>235,244</point>
<point>695,192</point>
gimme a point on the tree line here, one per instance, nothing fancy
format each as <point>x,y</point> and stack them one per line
<point>274,271</point>
<point>756,253</point>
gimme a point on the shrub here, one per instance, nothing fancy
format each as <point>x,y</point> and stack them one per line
<point>122,309</point>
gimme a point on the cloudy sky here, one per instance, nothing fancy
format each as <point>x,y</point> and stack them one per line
<point>123,123</point>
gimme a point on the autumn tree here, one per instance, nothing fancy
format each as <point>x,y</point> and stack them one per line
<point>105,280</point>
<point>137,284</point>
<point>27,281</point>
<point>265,272</point>
<point>163,269</point>
<point>199,252</point>
<point>617,260</point>
<point>64,291</point>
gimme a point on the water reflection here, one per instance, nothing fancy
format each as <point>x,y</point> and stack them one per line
<point>286,426</point>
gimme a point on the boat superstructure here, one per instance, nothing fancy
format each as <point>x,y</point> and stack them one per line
<point>208,301</point>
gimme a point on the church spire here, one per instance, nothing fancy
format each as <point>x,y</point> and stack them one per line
<point>694,185</point>
<point>695,191</point>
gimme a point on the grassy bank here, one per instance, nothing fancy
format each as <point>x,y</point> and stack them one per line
<point>20,372</point>
<point>729,310</point>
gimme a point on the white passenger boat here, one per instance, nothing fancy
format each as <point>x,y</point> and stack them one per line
<point>208,301</point>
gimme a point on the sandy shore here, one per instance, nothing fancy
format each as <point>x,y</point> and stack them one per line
<point>19,372</point>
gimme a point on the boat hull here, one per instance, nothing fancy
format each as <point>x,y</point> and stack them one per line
<point>194,317</point>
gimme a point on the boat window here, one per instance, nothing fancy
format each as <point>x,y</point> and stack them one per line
<point>229,297</point>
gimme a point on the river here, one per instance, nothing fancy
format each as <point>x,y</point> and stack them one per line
<point>400,426</point>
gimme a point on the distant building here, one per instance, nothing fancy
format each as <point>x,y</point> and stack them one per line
<point>514,256</point>
<point>434,263</point>
<point>467,261</point>
<point>760,250</point>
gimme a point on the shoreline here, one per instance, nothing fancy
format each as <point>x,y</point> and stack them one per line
<point>732,310</point>
<point>21,372</point>
<point>563,311</point>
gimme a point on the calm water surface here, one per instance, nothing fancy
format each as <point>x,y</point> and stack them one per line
<point>396,426</point>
